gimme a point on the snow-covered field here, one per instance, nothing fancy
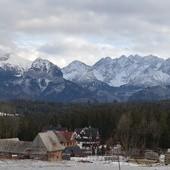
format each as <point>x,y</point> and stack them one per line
<point>72,165</point>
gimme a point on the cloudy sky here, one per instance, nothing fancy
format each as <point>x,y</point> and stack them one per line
<point>86,30</point>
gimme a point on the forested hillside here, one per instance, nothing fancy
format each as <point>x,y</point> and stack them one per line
<point>134,124</point>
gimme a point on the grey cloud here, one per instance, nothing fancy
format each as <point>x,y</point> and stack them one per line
<point>47,14</point>
<point>82,16</point>
<point>53,49</point>
<point>6,41</point>
<point>140,23</point>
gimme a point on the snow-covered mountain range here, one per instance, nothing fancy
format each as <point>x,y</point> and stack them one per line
<point>133,70</point>
<point>124,78</point>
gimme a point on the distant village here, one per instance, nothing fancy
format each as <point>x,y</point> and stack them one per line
<point>58,143</point>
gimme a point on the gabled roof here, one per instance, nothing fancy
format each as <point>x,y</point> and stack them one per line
<point>90,132</point>
<point>14,146</point>
<point>60,137</point>
<point>46,142</point>
<point>65,135</point>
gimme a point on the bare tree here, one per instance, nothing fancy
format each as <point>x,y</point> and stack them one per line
<point>127,134</point>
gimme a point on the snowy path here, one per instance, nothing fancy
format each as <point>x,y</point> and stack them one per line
<point>71,165</point>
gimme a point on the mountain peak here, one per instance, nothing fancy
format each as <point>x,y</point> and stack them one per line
<point>44,66</point>
<point>75,69</point>
<point>102,61</point>
<point>41,64</point>
<point>122,56</point>
<point>152,58</point>
<point>13,60</point>
<point>107,58</point>
<point>78,63</point>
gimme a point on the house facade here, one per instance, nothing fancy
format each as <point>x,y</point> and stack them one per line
<point>87,139</point>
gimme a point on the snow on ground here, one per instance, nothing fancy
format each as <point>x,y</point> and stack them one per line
<point>72,165</point>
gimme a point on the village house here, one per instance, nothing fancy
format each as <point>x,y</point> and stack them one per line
<point>67,140</point>
<point>87,139</point>
<point>47,146</point>
<point>10,148</point>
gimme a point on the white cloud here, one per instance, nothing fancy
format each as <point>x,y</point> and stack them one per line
<point>72,48</point>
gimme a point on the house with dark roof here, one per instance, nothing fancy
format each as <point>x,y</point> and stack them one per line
<point>87,138</point>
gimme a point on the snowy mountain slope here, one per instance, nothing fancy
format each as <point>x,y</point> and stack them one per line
<point>165,67</point>
<point>10,60</point>
<point>151,78</point>
<point>123,70</point>
<point>80,74</point>
<point>75,70</point>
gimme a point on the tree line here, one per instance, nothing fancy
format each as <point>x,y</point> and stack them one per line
<point>133,124</point>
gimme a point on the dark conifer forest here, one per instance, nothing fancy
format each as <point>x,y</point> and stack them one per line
<point>133,124</point>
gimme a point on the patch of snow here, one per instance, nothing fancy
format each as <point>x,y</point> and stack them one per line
<point>6,114</point>
<point>18,75</point>
<point>74,165</point>
<point>43,85</point>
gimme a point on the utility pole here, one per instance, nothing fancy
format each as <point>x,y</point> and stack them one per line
<point>118,158</point>
<point>118,162</point>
